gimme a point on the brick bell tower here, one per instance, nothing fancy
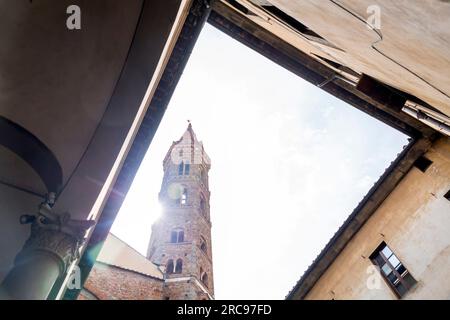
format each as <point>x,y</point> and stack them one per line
<point>181,239</point>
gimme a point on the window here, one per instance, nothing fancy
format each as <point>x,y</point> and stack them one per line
<point>179,266</point>
<point>447,195</point>
<point>184,168</point>
<point>392,270</point>
<point>203,245</point>
<point>423,163</point>
<point>177,236</point>
<point>181,236</point>
<point>183,198</point>
<point>174,237</point>
<point>204,279</point>
<point>169,267</point>
<point>180,196</point>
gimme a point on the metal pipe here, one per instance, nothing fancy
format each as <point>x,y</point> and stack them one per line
<point>426,119</point>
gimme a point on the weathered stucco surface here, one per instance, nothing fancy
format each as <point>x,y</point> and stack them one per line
<point>410,50</point>
<point>414,221</point>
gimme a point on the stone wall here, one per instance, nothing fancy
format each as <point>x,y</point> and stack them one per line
<point>413,221</point>
<point>184,290</point>
<point>112,283</point>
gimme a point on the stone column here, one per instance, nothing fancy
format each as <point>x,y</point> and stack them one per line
<point>53,245</point>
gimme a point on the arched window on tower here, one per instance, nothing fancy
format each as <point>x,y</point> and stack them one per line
<point>179,266</point>
<point>183,198</point>
<point>181,236</point>
<point>169,266</point>
<point>184,168</point>
<point>176,236</point>
<point>204,279</point>
<point>203,245</point>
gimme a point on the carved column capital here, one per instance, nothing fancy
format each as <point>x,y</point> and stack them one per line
<point>55,234</point>
<point>62,246</point>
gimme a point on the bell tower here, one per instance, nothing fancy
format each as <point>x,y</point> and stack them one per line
<point>181,239</point>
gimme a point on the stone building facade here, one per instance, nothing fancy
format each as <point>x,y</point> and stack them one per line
<point>178,264</point>
<point>402,250</point>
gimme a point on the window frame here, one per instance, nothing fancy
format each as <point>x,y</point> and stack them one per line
<point>170,270</point>
<point>203,245</point>
<point>174,236</point>
<point>181,168</point>
<point>178,266</point>
<point>184,168</point>
<point>423,163</point>
<point>177,235</point>
<point>204,279</point>
<point>447,195</point>
<point>180,237</point>
<point>183,196</point>
<point>400,277</point>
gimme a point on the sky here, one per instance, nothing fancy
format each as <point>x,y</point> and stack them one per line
<point>289,163</point>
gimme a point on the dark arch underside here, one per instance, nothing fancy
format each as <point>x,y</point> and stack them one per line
<point>33,151</point>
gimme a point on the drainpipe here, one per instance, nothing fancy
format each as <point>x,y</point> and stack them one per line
<point>427,119</point>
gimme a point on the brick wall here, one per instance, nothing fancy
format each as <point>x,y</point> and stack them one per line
<point>113,283</point>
